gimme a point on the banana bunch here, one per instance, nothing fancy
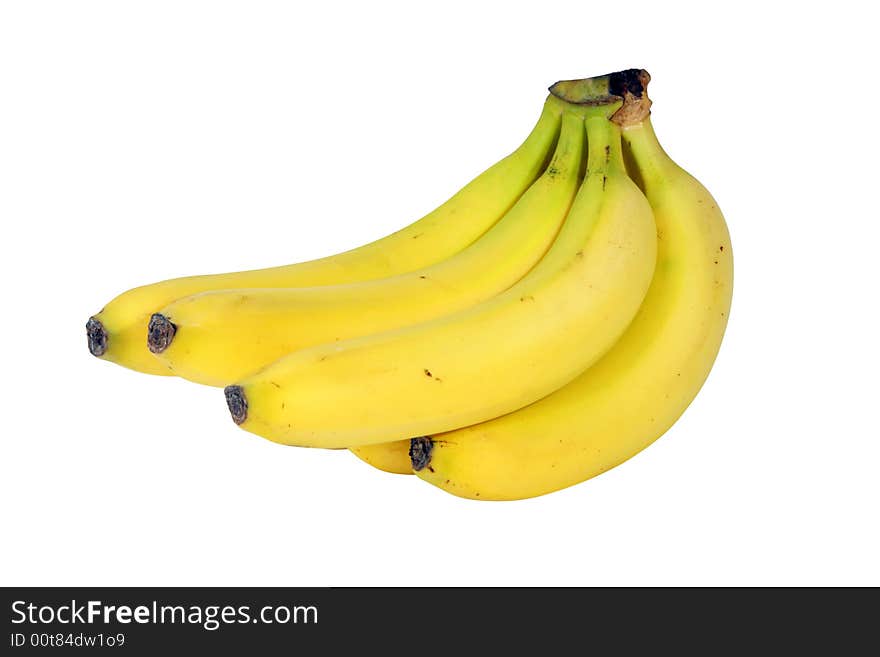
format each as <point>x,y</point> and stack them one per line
<point>549,321</point>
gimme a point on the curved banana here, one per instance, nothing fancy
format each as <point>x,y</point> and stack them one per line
<point>222,336</point>
<point>639,389</point>
<point>489,359</point>
<point>391,457</point>
<point>117,332</point>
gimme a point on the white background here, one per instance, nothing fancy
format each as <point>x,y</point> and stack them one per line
<point>140,141</point>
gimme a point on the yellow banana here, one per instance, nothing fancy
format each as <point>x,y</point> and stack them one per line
<point>117,333</point>
<point>639,389</point>
<point>487,360</point>
<point>391,457</point>
<point>221,336</point>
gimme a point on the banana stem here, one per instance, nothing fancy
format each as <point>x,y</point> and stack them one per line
<point>629,87</point>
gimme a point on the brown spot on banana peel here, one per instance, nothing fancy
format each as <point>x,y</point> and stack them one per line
<point>160,333</point>
<point>236,401</point>
<point>431,376</point>
<point>97,337</point>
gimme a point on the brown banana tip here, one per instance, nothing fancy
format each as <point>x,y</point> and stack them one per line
<point>97,337</point>
<point>237,403</point>
<point>420,452</point>
<point>160,333</point>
